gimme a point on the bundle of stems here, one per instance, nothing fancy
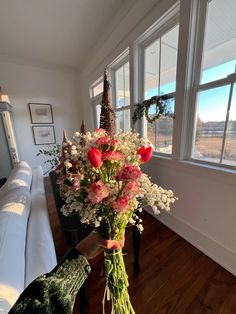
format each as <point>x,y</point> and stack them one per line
<point>116,289</point>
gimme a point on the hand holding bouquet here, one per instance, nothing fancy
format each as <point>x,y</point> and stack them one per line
<point>101,180</point>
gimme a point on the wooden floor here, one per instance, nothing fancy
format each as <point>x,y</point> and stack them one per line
<point>175,277</point>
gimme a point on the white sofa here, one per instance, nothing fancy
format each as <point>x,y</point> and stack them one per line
<point>26,243</point>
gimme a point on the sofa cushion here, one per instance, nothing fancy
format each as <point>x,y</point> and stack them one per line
<point>14,213</point>
<point>40,250</point>
<point>21,176</point>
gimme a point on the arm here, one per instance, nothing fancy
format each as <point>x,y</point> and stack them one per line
<point>55,292</point>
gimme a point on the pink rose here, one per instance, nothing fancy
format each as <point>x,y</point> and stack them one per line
<point>97,192</point>
<point>129,173</point>
<point>145,153</point>
<point>131,189</point>
<point>121,204</point>
<point>112,155</point>
<point>95,157</point>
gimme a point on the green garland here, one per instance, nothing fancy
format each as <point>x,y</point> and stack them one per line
<point>162,108</point>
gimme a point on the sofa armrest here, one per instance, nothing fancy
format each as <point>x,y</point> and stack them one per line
<point>40,249</point>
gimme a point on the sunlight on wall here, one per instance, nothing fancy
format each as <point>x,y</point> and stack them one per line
<point>8,295</point>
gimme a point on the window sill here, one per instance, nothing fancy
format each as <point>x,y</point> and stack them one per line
<point>205,171</point>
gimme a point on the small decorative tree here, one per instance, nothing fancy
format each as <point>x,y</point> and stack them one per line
<point>107,118</point>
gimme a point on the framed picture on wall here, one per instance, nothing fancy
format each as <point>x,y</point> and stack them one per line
<point>40,113</point>
<point>44,134</point>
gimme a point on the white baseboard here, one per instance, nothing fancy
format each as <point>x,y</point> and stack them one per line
<point>208,246</point>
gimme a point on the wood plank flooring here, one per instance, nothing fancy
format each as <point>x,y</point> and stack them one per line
<point>175,277</point>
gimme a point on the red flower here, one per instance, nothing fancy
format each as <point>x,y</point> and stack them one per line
<point>95,157</point>
<point>129,173</point>
<point>112,155</point>
<point>145,153</point>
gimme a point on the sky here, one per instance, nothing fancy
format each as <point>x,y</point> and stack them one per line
<point>212,104</point>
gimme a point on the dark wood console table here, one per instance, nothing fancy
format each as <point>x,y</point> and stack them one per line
<point>73,228</point>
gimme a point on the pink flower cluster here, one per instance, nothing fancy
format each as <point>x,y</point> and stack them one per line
<point>106,140</point>
<point>97,192</point>
<point>121,204</point>
<point>112,155</point>
<point>129,173</point>
<point>131,189</point>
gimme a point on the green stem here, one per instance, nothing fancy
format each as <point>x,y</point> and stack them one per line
<point>117,283</point>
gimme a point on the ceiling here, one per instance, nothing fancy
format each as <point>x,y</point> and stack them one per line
<point>55,32</point>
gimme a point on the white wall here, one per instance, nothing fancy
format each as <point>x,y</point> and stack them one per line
<point>205,213</point>
<point>26,84</point>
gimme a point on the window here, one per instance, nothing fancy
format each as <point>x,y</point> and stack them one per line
<point>160,61</point>
<point>96,91</point>
<point>97,88</point>
<point>121,93</point>
<point>215,118</point>
<point>205,100</point>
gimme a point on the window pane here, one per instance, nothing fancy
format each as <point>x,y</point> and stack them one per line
<point>164,130</point>
<point>160,131</point>
<point>230,144</point>
<point>160,62</point>
<point>219,55</point>
<point>126,78</point>
<point>98,89</point>
<point>123,120</point>
<point>122,86</point>
<point>98,114</point>
<point>151,133</point>
<point>168,44</point>
<point>151,69</point>
<point>169,47</point>
<point>218,72</point>
<point>211,114</point>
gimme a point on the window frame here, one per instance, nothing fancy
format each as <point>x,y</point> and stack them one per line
<point>168,21</point>
<point>95,100</point>
<point>120,61</point>
<point>198,13</point>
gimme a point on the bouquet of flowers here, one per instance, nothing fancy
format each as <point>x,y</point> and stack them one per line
<point>101,180</point>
